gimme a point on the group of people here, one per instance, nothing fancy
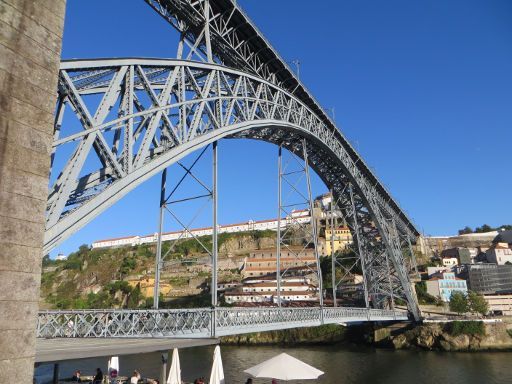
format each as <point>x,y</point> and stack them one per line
<point>98,378</point>
<point>134,379</point>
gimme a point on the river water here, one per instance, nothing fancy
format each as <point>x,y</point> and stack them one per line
<point>341,364</point>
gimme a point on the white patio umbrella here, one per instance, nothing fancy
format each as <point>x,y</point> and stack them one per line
<point>175,371</point>
<point>284,367</point>
<point>113,364</point>
<point>217,375</point>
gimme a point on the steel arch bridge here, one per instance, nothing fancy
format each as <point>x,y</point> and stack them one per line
<point>137,116</point>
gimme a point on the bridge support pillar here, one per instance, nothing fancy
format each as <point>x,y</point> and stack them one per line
<point>163,372</point>
<point>56,369</point>
<point>30,44</point>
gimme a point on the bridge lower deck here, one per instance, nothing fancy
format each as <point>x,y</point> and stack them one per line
<point>53,350</point>
<point>198,323</point>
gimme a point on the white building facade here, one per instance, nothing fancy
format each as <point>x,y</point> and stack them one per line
<point>298,216</point>
<point>499,253</point>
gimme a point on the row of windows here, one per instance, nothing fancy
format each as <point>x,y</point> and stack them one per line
<point>452,284</point>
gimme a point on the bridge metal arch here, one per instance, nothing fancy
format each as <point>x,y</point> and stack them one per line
<point>191,104</point>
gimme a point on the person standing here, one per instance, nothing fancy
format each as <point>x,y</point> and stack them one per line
<point>135,377</point>
<point>76,377</point>
<point>98,379</point>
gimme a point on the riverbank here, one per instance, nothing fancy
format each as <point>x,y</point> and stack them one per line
<point>455,336</point>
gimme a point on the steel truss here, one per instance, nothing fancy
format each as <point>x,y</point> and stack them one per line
<point>200,322</point>
<point>218,31</point>
<point>167,202</point>
<point>294,194</point>
<point>154,112</point>
<point>136,117</point>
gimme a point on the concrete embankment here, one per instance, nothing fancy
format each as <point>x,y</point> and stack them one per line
<point>454,336</point>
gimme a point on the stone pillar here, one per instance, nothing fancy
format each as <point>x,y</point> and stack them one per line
<point>30,44</point>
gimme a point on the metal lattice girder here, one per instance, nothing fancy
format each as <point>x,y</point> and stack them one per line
<point>294,193</point>
<point>177,107</point>
<point>172,125</point>
<point>200,322</point>
<point>219,31</point>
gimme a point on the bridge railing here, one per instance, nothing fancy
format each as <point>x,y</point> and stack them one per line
<point>125,323</point>
<point>243,320</point>
<point>200,322</point>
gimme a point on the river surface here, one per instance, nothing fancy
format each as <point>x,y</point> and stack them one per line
<point>341,364</point>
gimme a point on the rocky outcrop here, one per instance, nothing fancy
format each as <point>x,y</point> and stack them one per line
<point>438,337</point>
<point>246,243</point>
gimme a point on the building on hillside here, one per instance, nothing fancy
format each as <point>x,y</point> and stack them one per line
<point>499,304</point>
<point>489,278</point>
<point>499,253</point>
<point>450,261</point>
<point>462,254</point>
<point>259,291</point>
<point>61,257</point>
<point>351,286</point>
<point>296,217</point>
<point>443,284</point>
<point>433,270</point>
<point>341,238</point>
<point>226,286</point>
<point>294,259</point>
<point>504,236</point>
<point>147,286</point>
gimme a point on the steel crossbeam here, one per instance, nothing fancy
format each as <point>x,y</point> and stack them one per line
<point>200,322</point>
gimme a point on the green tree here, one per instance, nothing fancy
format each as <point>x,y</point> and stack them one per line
<point>477,303</point>
<point>423,296</point>
<point>465,230</point>
<point>483,228</point>
<point>459,302</point>
<point>134,298</point>
<point>47,261</point>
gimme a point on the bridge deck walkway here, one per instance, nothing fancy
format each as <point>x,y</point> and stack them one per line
<point>55,350</point>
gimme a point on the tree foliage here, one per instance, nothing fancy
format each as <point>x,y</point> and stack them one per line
<point>471,328</point>
<point>459,303</point>
<point>466,230</point>
<point>477,303</point>
<point>484,228</point>
<point>423,296</point>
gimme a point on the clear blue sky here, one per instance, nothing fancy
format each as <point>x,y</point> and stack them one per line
<point>422,89</point>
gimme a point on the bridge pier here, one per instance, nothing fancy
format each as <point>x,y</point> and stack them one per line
<point>56,369</point>
<point>30,45</point>
<point>163,371</point>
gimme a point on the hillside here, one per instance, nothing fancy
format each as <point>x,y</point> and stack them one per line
<point>122,277</point>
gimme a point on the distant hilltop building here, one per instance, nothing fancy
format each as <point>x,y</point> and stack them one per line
<point>293,259</point>
<point>61,257</point>
<point>341,239</point>
<point>296,217</point>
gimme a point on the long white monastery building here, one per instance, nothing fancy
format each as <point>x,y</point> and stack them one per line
<point>296,217</point>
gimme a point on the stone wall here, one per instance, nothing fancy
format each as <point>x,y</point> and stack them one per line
<point>30,45</point>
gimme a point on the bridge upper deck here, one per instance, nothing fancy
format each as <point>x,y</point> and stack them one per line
<point>238,43</point>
